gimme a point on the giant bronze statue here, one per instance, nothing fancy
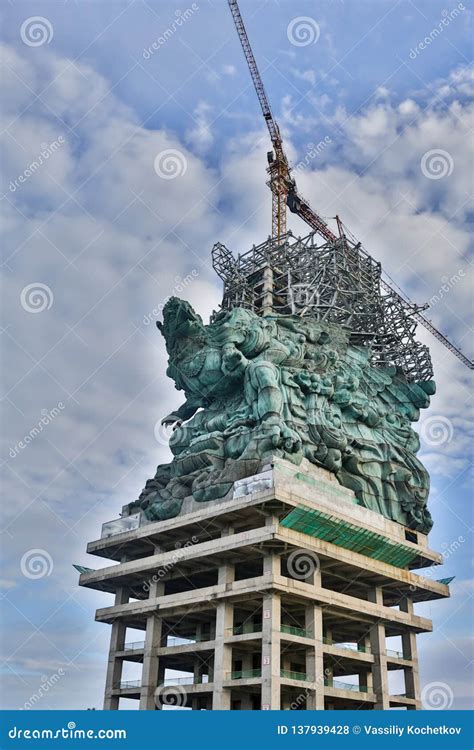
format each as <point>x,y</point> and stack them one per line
<point>283,385</point>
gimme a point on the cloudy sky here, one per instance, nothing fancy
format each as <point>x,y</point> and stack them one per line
<point>108,226</point>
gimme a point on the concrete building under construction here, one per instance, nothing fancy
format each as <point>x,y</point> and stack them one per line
<point>280,596</point>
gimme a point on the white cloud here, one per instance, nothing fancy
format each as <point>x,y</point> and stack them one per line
<point>308,75</point>
<point>229,70</point>
<point>201,136</point>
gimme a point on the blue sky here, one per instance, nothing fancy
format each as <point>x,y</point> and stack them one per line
<point>110,239</point>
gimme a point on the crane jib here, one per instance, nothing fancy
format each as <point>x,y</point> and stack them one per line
<point>284,192</point>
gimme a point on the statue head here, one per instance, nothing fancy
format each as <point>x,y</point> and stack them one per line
<point>179,322</point>
<point>243,328</point>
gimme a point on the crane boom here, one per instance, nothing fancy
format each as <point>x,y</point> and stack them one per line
<point>284,191</point>
<point>426,324</point>
<point>256,78</point>
<point>278,167</point>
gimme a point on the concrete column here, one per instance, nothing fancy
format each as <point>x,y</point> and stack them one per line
<point>377,644</point>
<point>197,670</point>
<point>222,655</point>
<point>329,675</point>
<point>285,704</point>
<point>246,702</point>
<point>366,680</point>
<point>271,623</point>
<point>150,671</point>
<point>267,303</point>
<point>223,629</point>
<point>271,565</point>
<point>412,676</point>
<point>314,657</point>
<point>114,666</point>
<point>225,575</point>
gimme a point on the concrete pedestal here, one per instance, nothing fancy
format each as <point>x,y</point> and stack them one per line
<point>256,613</point>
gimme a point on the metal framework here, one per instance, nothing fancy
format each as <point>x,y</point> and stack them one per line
<point>278,167</point>
<point>336,282</point>
<point>400,311</point>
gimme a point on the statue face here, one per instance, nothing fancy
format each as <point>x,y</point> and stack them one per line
<point>179,322</point>
<point>231,326</point>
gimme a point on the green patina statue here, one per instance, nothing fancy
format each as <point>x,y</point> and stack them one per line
<point>286,386</point>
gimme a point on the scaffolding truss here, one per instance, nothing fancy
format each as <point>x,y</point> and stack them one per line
<point>335,282</point>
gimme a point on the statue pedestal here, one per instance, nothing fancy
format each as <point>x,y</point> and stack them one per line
<point>280,595</point>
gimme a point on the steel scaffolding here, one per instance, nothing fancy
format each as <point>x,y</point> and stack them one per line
<point>336,282</point>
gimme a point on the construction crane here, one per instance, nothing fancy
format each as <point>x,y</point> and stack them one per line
<point>285,193</point>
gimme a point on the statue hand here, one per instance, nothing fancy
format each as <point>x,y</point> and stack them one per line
<point>232,360</point>
<point>171,420</point>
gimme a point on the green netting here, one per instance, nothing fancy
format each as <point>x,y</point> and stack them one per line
<point>348,535</point>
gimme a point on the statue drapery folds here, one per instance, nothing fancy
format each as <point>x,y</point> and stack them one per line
<point>257,387</point>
